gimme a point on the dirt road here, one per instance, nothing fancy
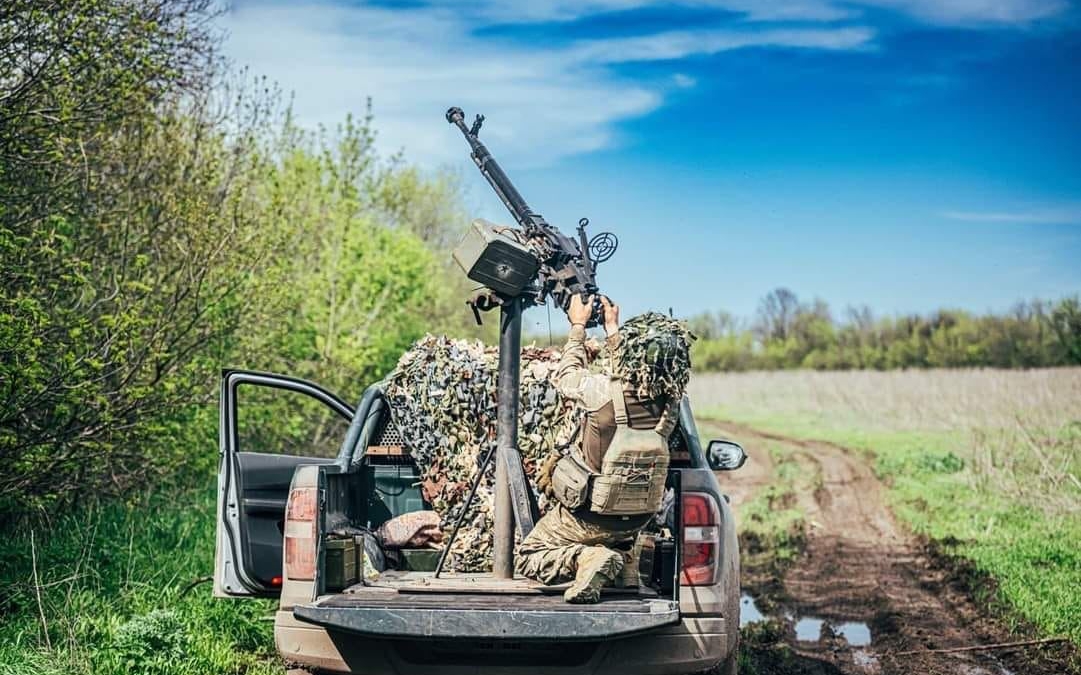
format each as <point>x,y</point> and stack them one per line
<point>863,597</point>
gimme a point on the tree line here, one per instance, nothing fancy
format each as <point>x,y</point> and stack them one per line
<point>789,333</point>
<point>162,216</point>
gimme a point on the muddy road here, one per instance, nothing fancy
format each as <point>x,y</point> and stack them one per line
<point>863,597</point>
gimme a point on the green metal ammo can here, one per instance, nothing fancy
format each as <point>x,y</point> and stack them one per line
<point>341,564</point>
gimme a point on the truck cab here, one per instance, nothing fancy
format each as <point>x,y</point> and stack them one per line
<point>299,464</point>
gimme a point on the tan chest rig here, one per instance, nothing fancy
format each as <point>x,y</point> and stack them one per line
<point>633,471</point>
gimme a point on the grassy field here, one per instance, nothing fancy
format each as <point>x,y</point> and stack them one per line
<point>109,592</point>
<point>983,463</point>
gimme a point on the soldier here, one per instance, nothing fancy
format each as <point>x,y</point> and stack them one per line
<point>610,482</point>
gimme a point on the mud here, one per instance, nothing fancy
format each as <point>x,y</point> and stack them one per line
<point>865,597</point>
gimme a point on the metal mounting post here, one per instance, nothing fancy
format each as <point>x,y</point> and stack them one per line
<point>510,353</point>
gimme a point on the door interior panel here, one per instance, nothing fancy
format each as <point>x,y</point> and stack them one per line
<point>264,486</point>
<point>254,486</point>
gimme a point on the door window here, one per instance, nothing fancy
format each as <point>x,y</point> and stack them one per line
<point>286,422</point>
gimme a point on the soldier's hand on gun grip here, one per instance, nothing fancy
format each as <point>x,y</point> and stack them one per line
<point>580,310</point>
<point>611,316</point>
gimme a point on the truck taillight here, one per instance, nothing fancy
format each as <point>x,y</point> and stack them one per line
<point>701,539</point>
<point>300,534</point>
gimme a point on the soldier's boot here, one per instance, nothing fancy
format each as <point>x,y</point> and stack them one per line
<point>630,577</point>
<point>597,566</point>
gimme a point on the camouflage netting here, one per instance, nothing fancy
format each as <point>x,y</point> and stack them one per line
<point>443,398</point>
<point>655,355</point>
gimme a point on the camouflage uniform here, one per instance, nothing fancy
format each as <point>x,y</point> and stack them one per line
<point>563,542</point>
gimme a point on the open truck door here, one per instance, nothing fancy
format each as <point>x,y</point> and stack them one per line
<point>268,426</point>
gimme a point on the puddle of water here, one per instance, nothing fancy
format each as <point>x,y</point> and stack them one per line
<point>865,660</point>
<point>1002,669</point>
<point>981,670</point>
<point>748,611</point>
<point>856,633</point>
<point>809,629</point>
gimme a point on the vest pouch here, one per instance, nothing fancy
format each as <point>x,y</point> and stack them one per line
<point>632,479</point>
<point>570,482</point>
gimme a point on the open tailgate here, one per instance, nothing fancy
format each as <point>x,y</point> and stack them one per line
<point>487,616</point>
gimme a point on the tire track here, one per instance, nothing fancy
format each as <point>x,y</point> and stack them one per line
<point>861,571</point>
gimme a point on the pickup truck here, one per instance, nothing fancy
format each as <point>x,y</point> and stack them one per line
<point>280,498</point>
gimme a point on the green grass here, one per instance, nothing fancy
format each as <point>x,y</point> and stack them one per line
<point>112,596</point>
<point>771,524</point>
<point>1032,558</point>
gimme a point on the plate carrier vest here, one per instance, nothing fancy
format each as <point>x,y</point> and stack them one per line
<point>633,472</point>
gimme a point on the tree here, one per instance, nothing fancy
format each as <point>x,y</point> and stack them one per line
<point>1065,321</point>
<point>790,334</point>
<point>776,314</point>
<point>158,223</point>
<point>116,188</point>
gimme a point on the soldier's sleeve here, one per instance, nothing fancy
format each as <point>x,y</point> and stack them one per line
<point>573,379</point>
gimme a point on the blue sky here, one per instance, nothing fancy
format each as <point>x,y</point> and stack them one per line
<point>904,154</point>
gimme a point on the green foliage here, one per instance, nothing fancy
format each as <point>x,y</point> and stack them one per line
<point>354,285</point>
<point>165,225</point>
<point>158,223</point>
<point>791,334</point>
<point>1066,323</point>
<point>119,238</point>
<point>116,595</point>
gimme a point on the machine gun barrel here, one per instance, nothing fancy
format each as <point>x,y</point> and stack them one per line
<point>565,265</point>
<point>493,173</point>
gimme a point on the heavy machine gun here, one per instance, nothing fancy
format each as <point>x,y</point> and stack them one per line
<point>535,261</point>
<point>519,267</point>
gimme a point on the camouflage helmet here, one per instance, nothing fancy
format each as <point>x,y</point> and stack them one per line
<point>654,356</point>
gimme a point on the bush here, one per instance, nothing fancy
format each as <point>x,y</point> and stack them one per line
<point>151,234</point>
<point>116,595</point>
<point>790,334</point>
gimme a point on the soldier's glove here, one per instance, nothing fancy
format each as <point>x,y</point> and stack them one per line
<point>545,471</point>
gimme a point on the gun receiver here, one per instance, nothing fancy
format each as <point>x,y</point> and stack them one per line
<point>565,266</point>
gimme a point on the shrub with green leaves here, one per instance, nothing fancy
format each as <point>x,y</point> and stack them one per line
<point>165,223</point>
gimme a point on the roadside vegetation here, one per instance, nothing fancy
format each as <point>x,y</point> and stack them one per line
<point>161,217</point>
<point>121,588</point>
<point>983,463</point>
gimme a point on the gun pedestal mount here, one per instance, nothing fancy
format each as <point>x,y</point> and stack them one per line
<point>510,351</point>
<point>521,266</point>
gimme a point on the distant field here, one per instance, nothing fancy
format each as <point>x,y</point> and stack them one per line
<point>987,463</point>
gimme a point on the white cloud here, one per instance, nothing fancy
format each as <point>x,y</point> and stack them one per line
<point>974,12</point>
<point>1067,214</point>
<point>543,103</point>
<point>681,44</point>
<point>415,65</point>
<point>502,11</point>
<point>683,81</point>
<point>938,12</point>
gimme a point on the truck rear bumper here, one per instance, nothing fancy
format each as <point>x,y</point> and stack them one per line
<point>487,617</point>
<point>689,645</point>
